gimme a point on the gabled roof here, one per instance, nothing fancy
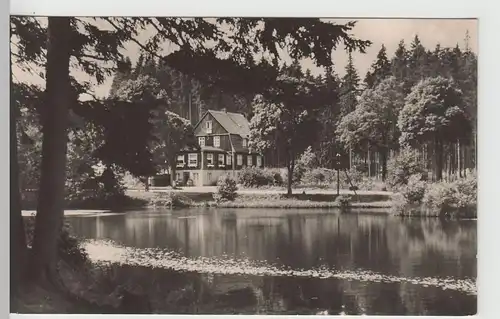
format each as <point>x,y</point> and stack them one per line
<point>233,123</point>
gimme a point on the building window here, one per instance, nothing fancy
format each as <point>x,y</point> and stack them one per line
<point>221,160</point>
<point>209,127</point>
<point>259,161</point>
<point>249,160</point>
<point>180,161</point>
<point>201,141</point>
<point>210,159</point>
<point>239,159</point>
<point>245,142</point>
<point>229,160</point>
<point>177,177</point>
<point>195,178</point>
<point>216,141</point>
<point>192,160</point>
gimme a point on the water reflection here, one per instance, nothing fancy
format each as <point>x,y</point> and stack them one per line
<point>307,239</point>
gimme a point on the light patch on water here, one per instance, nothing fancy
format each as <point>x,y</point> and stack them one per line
<point>109,252</point>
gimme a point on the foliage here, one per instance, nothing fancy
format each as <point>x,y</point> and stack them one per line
<point>319,177</point>
<point>373,124</point>
<point>326,146</point>
<point>434,110</point>
<point>258,177</point>
<point>444,198</point>
<point>415,189</point>
<point>226,189</point>
<point>68,246</point>
<point>349,88</point>
<point>466,191</point>
<point>402,166</point>
<point>307,159</point>
<point>286,121</point>
<point>379,70</point>
<point>172,133</point>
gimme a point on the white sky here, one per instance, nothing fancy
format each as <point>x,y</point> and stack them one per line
<point>447,32</point>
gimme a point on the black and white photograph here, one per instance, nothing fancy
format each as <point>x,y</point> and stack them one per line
<point>243,165</point>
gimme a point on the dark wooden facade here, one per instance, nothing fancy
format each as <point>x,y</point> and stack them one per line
<point>233,143</point>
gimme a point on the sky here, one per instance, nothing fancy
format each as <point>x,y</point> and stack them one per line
<point>447,32</point>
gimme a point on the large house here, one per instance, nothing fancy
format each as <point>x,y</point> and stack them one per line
<point>222,149</point>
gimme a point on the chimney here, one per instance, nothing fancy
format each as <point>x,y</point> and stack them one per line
<point>224,110</point>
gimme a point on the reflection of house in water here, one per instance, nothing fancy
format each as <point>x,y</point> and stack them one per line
<point>242,291</point>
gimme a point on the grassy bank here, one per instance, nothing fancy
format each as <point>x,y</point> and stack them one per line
<point>184,199</point>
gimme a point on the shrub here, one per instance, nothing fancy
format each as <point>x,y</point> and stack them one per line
<point>274,176</point>
<point>258,177</point>
<point>445,198</point>
<point>68,246</point>
<point>439,198</point>
<point>415,190</point>
<point>319,176</point>
<point>304,163</point>
<point>226,189</point>
<point>402,166</point>
<point>253,177</point>
<point>466,191</point>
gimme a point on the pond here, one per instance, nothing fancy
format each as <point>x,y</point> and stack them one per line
<point>306,261</point>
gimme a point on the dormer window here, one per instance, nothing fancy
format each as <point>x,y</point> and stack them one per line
<point>208,127</point>
<point>245,142</point>
<point>201,141</point>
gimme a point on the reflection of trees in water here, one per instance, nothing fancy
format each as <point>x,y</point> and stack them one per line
<point>407,247</point>
<point>430,247</point>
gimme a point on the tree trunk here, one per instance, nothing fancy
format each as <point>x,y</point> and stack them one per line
<point>459,159</point>
<point>18,249</point>
<point>50,210</point>
<point>439,159</point>
<point>369,165</point>
<point>290,167</point>
<point>383,158</point>
<point>173,168</point>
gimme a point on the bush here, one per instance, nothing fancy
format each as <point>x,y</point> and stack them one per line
<point>401,167</point>
<point>226,189</point>
<point>445,198</point>
<point>439,198</point>
<point>457,198</point>
<point>68,246</point>
<point>319,177</point>
<point>415,190</point>
<point>466,191</point>
<point>258,177</point>
<point>274,175</point>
